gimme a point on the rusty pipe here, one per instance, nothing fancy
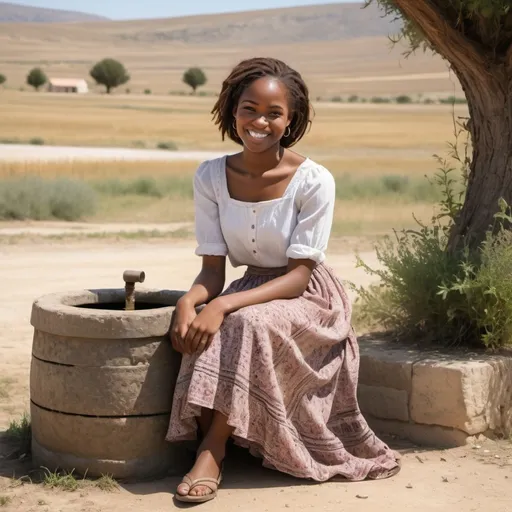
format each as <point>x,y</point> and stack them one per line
<point>131,277</point>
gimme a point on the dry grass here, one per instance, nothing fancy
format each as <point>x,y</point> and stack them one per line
<point>353,217</point>
<point>338,130</point>
<point>5,500</point>
<point>6,384</point>
<point>359,141</point>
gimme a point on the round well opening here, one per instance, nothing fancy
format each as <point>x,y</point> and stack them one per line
<point>121,306</point>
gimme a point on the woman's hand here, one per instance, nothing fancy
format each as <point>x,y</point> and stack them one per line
<point>204,326</point>
<point>184,315</point>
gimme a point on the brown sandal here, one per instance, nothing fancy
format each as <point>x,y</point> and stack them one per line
<point>211,483</point>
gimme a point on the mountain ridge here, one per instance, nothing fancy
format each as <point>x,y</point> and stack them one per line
<point>16,13</point>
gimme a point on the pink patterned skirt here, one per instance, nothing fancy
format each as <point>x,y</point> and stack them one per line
<point>285,375</point>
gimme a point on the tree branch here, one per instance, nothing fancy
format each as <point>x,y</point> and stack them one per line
<point>475,69</point>
<point>444,38</point>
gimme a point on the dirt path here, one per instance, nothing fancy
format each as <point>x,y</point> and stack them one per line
<point>464,479</point>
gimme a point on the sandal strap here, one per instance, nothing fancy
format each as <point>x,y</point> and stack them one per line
<point>211,483</point>
<point>187,480</point>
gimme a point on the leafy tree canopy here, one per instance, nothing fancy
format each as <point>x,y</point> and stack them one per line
<point>194,77</point>
<point>110,73</point>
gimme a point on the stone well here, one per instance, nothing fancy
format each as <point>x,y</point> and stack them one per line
<point>101,383</point>
<point>438,398</point>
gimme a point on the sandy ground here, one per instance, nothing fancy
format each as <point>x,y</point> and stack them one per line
<point>28,153</point>
<point>465,479</point>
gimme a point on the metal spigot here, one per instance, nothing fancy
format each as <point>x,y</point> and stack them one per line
<point>131,277</point>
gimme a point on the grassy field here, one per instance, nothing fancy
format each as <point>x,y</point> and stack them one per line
<point>379,154</point>
<point>365,131</point>
<point>369,203</point>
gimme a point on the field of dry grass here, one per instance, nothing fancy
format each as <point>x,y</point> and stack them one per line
<point>355,142</point>
<point>341,130</point>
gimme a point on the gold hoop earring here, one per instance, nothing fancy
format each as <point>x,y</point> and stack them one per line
<point>234,124</point>
<point>289,132</point>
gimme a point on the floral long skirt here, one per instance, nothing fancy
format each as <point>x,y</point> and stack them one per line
<point>285,375</point>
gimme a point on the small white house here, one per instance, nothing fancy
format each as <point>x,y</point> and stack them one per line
<point>69,85</point>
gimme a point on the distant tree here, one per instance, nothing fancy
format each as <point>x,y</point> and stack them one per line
<point>194,77</point>
<point>36,78</point>
<point>110,73</point>
<point>3,79</point>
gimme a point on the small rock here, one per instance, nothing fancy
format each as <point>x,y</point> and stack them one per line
<point>420,459</point>
<point>497,456</point>
<point>362,496</point>
<point>287,506</point>
<point>443,459</point>
<point>445,479</point>
<point>486,451</point>
<point>408,486</point>
<point>476,447</point>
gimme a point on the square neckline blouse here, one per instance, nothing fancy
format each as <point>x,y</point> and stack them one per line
<point>286,193</point>
<point>264,233</point>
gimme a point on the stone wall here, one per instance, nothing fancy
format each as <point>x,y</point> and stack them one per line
<point>436,398</point>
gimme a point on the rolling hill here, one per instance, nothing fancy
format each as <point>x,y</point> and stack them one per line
<point>341,49</point>
<point>14,13</point>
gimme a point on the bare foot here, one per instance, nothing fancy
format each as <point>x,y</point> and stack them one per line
<point>207,465</point>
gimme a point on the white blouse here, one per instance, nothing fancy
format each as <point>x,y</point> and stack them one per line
<point>264,233</point>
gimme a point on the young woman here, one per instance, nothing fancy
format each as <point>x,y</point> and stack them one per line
<point>272,361</point>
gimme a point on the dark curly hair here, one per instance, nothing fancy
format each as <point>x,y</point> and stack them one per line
<point>247,72</point>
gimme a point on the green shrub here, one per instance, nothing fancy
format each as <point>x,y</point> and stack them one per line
<point>353,99</point>
<point>39,199</point>
<point>139,187</point>
<point>337,99</point>
<point>147,91</point>
<point>176,186</point>
<point>429,294</point>
<point>453,100</point>
<point>36,141</point>
<point>378,99</point>
<point>403,99</point>
<point>169,145</point>
<point>403,188</point>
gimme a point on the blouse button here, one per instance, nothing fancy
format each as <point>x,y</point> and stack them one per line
<point>254,211</point>
<point>252,227</point>
<point>253,240</point>
<point>254,252</point>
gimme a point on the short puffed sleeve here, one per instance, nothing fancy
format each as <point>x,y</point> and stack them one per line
<point>316,199</point>
<point>210,241</point>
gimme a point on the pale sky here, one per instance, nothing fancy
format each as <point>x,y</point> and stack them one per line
<point>133,9</point>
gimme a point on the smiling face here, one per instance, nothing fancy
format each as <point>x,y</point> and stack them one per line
<point>262,114</point>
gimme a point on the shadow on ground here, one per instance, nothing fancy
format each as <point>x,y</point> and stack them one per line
<point>241,471</point>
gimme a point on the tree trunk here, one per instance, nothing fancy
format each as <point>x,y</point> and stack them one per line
<point>108,88</point>
<point>486,78</point>
<point>490,178</point>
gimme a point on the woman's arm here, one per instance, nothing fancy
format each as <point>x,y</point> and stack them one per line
<point>292,284</point>
<point>209,283</point>
<point>208,322</point>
